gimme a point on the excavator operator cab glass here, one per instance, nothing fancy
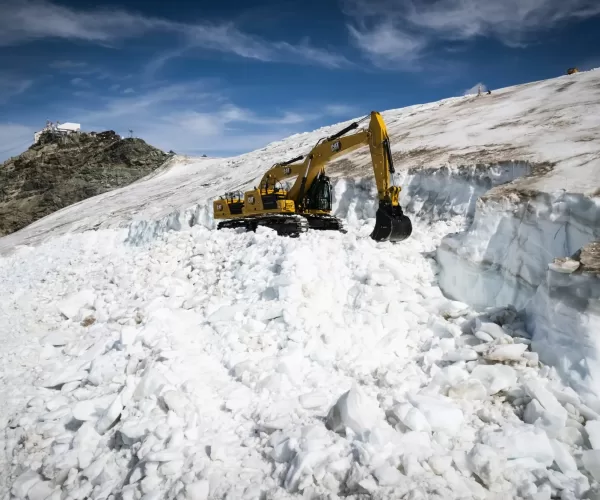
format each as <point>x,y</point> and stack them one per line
<point>319,195</point>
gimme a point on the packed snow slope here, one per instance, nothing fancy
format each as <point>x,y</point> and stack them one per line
<point>155,357</point>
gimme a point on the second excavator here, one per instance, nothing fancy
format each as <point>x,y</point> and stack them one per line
<point>307,204</point>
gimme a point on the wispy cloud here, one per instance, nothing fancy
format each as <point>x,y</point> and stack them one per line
<point>79,82</point>
<point>11,86</point>
<point>146,104</point>
<point>401,30</point>
<point>337,110</point>
<point>195,116</point>
<point>68,65</point>
<point>385,42</point>
<point>27,20</point>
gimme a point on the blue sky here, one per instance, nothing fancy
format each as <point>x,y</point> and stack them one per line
<point>221,78</point>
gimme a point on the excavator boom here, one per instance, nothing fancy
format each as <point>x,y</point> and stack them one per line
<point>310,194</point>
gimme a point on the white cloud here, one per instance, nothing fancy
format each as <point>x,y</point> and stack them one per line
<point>26,20</point>
<point>146,104</point>
<point>385,42</point>
<point>195,117</point>
<point>510,21</point>
<point>128,90</point>
<point>340,110</point>
<point>400,30</point>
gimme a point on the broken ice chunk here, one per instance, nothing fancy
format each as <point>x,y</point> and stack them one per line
<point>537,391</point>
<point>92,409</point>
<point>40,491</point>
<point>592,427</point>
<point>441,413</point>
<point>463,354</point>
<point>524,441</point>
<point>411,417</point>
<point>197,491</point>
<point>507,352</point>
<point>440,464</point>
<point>24,483</point>
<point>492,329</point>
<point>562,457</point>
<point>354,410</point>
<point>495,378</point>
<point>591,461</point>
<point>486,463</point>
<point>151,383</point>
<point>313,400</point>
<point>468,389</point>
<point>564,265</point>
<point>57,339</point>
<point>175,401</point>
<point>387,475</point>
<point>71,305</point>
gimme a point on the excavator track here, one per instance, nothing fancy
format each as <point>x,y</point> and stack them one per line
<point>285,225</point>
<point>325,223</point>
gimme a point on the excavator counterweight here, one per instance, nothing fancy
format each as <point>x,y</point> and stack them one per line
<point>308,202</point>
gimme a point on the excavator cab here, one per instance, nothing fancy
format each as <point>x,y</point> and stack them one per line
<point>319,195</point>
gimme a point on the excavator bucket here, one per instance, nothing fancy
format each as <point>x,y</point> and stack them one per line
<point>391,224</point>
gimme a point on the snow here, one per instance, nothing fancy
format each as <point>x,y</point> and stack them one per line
<point>495,378</point>
<point>592,427</point>
<point>72,305</point>
<point>155,357</point>
<point>591,461</point>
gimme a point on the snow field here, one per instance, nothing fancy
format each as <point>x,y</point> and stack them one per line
<point>211,364</point>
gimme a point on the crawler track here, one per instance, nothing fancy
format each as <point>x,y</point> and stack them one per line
<point>286,225</point>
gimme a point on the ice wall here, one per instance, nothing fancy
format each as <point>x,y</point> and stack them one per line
<point>563,317</point>
<point>145,231</point>
<point>502,259</point>
<point>443,192</point>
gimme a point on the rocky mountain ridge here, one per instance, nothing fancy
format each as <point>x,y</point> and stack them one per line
<point>60,170</point>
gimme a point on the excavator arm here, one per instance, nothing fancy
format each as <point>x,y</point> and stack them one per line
<point>330,148</point>
<point>391,224</point>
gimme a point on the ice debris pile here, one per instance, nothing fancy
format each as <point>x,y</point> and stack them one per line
<point>221,365</point>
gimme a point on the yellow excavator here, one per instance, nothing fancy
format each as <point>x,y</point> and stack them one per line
<point>307,204</point>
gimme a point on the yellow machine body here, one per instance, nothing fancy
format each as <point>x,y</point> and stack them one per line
<point>310,195</point>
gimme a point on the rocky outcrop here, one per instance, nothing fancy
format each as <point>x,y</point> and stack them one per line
<point>61,170</point>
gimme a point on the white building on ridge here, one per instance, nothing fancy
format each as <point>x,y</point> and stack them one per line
<point>58,128</point>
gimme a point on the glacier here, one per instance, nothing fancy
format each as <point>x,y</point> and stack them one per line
<point>147,355</point>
